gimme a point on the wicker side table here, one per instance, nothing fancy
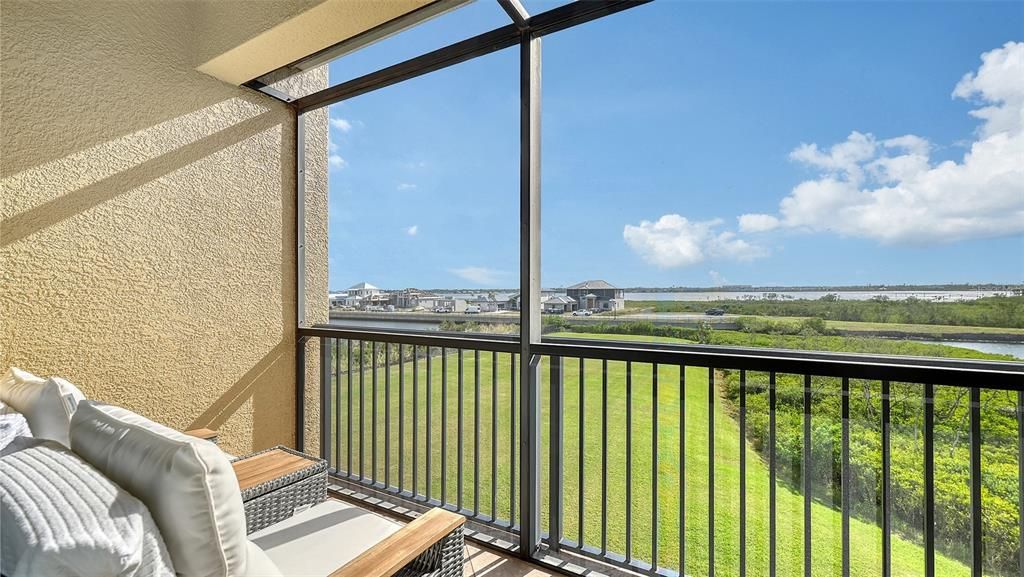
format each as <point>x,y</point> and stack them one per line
<point>276,482</point>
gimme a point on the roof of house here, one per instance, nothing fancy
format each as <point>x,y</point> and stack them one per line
<point>362,286</point>
<point>591,285</point>
<point>558,299</point>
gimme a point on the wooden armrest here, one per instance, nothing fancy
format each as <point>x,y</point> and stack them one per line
<point>205,434</point>
<point>399,549</point>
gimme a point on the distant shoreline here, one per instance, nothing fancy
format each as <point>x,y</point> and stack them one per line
<point>996,287</point>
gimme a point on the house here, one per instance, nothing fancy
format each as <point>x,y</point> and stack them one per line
<point>486,305</point>
<point>597,295</point>
<point>337,299</point>
<point>558,304</point>
<point>409,298</point>
<point>363,289</point>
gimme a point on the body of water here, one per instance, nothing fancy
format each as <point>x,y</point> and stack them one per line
<point>1012,349</point>
<point>951,296</point>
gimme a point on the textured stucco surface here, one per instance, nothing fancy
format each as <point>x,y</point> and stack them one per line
<point>147,217</point>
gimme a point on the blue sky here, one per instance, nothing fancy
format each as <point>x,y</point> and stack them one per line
<point>697,144</point>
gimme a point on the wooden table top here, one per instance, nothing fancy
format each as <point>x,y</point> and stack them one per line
<point>252,471</point>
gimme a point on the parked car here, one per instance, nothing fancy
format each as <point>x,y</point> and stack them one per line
<point>442,310</point>
<point>581,313</point>
<point>473,310</point>
<point>716,312</point>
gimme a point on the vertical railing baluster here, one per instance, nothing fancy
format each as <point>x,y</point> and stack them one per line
<point>682,470</point>
<point>415,420</point>
<point>711,471</point>
<point>428,454</point>
<point>348,410</point>
<point>373,412</point>
<point>806,470</point>
<point>555,454</point>
<point>325,398</point>
<point>460,430</point>
<point>582,447</point>
<point>976,527</point>
<point>336,409</point>
<point>494,435</point>
<point>401,417</point>
<point>387,415</point>
<point>846,477</point>
<point>444,426</point>
<point>929,481</point>
<point>886,480</point>
<point>476,432</point>
<point>654,466</point>
<point>604,455</point>
<point>512,437</point>
<point>362,411</point>
<point>1020,479</point>
<point>772,556</point>
<point>629,461</point>
<point>743,473</point>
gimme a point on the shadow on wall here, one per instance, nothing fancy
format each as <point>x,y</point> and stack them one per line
<point>147,220</point>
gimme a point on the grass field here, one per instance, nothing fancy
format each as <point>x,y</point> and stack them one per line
<point>635,492</point>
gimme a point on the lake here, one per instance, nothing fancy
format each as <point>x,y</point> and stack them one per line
<point>951,296</point>
<point>1013,349</point>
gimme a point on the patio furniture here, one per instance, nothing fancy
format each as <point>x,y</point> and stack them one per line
<point>204,506</point>
<point>277,482</point>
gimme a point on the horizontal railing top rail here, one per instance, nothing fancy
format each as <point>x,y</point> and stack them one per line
<point>929,370</point>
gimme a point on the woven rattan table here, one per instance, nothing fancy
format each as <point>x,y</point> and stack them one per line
<point>276,482</point>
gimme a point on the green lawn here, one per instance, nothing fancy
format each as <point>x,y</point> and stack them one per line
<point>908,557</point>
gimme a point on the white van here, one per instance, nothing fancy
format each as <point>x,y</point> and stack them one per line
<point>473,310</point>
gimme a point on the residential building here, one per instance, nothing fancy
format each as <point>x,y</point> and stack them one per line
<point>558,304</point>
<point>363,290</point>
<point>597,295</point>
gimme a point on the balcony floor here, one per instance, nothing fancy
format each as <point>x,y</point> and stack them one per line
<point>485,562</point>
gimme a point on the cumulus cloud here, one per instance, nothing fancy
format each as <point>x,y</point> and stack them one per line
<point>758,222</point>
<point>890,190</point>
<point>674,241</point>
<point>341,124</point>
<point>406,186</point>
<point>412,230</point>
<point>716,278</point>
<point>478,275</point>
<point>336,161</point>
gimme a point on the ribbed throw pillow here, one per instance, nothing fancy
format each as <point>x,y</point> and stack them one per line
<point>60,516</point>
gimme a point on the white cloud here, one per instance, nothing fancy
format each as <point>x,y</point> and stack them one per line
<point>716,278</point>
<point>891,191</point>
<point>412,230</point>
<point>341,124</point>
<point>478,275</point>
<point>673,241</point>
<point>406,186</point>
<point>757,222</point>
<point>332,147</point>
<point>336,161</point>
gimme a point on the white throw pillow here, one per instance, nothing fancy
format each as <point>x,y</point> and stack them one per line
<point>187,483</point>
<point>12,425</point>
<point>47,404</point>
<point>60,516</point>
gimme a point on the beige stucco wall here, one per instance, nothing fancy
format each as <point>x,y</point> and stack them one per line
<point>147,236</point>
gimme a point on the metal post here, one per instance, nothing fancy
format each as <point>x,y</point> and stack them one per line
<point>529,281</point>
<point>300,218</point>
<point>300,394</point>
<point>325,399</point>
<point>555,453</point>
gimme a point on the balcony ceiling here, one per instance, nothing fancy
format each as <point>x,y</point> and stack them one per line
<point>323,25</point>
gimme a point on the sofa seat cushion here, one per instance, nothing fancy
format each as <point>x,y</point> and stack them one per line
<point>47,404</point>
<point>322,538</point>
<point>187,483</point>
<point>12,425</point>
<point>61,517</point>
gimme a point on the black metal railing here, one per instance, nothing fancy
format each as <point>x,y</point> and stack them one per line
<point>693,460</point>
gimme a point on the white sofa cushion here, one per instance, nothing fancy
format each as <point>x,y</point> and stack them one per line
<point>187,483</point>
<point>12,425</point>
<point>321,539</point>
<point>47,404</point>
<point>61,517</point>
